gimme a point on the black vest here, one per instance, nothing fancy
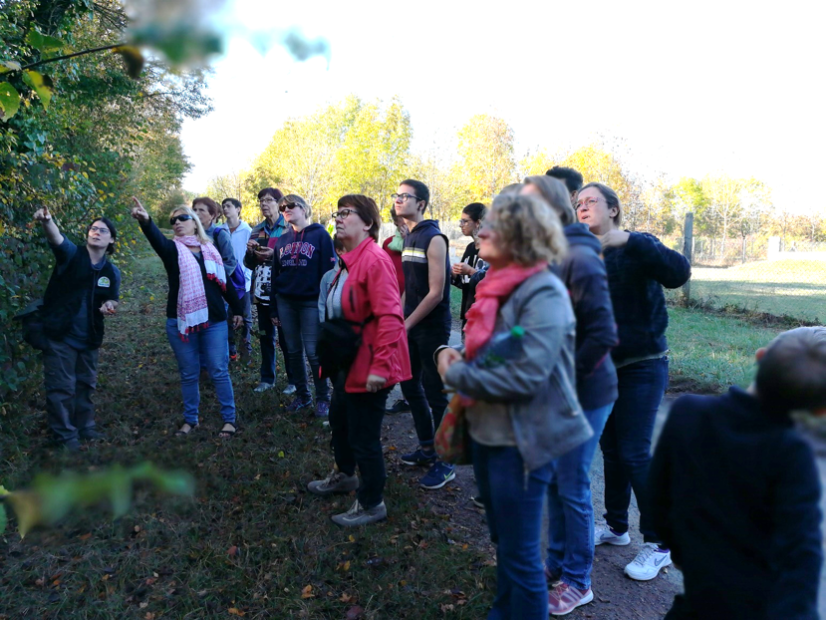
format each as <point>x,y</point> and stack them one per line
<point>415,268</point>
<point>65,292</point>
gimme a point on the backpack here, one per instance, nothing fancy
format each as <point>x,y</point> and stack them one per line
<point>31,321</point>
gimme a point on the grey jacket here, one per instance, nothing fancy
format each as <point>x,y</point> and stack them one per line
<point>538,389</point>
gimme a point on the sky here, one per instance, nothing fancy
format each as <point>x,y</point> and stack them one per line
<point>689,89</point>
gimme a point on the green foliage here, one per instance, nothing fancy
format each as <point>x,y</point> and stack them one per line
<point>99,137</point>
<point>51,498</point>
<point>350,147</point>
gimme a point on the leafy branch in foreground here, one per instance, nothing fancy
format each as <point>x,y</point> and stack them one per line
<point>52,497</point>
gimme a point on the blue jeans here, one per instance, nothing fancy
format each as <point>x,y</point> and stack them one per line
<point>211,345</point>
<point>513,505</point>
<point>299,323</point>
<point>247,329</point>
<point>570,512</point>
<point>626,443</point>
<point>266,337</point>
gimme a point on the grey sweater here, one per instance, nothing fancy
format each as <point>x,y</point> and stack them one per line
<point>536,390</point>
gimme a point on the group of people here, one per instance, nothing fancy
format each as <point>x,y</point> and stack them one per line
<point>548,260</point>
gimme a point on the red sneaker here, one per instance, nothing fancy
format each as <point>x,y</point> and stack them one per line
<point>563,599</point>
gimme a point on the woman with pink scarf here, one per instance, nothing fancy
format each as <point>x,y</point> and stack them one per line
<point>522,411</point>
<point>196,323</point>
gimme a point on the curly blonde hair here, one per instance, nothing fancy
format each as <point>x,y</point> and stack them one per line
<point>528,230</point>
<point>200,233</point>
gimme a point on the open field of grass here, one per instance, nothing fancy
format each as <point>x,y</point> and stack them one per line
<point>795,288</point>
<point>711,351</point>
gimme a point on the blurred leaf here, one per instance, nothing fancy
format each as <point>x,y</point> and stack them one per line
<point>180,43</point>
<point>9,65</point>
<point>4,519</point>
<point>42,85</point>
<point>9,100</point>
<point>43,43</point>
<point>27,508</point>
<point>303,48</point>
<point>132,58</point>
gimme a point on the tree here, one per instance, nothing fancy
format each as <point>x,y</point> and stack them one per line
<point>485,162</point>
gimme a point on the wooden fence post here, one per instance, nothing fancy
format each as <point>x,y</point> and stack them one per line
<point>688,251</point>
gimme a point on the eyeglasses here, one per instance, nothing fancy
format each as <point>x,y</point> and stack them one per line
<point>343,213</point>
<point>98,229</point>
<point>288,205</point>
<point>183,217</point>
<point>267,199</point>
<point>465,222</point>
<point>403,197</point>
<point>588,202</point>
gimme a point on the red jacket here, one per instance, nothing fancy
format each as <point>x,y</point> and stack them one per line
<point>396,257</point>
<point>371,288</point>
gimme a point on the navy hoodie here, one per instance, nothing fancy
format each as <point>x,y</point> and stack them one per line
<point>583,273</point>
<point>637,273</point>
<point>735,495</point>
<point>300,261</point>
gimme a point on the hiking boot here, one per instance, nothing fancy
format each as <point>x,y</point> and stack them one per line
<point>290,389</point>
<point>438,476</point>
<point>604,535</point>
<point>358,515</point>
<point>336,482</point>
<point>263,387</point>
<point>648,562</point>
<point>563,599</point>
<point>419,457</point>
<point>298,405</point>
<point>322,409</point>
<point>400,406</point>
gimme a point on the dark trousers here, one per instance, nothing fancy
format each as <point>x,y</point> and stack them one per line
<point>266,336</point>
<point>355,421</point>
<point>299,323</point>
<point>70,379</point>
<point>246,330</point>
<point>425,390</point>
<point>626,442</point>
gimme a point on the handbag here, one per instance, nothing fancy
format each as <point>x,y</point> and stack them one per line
<point>31,320</point>
<point>452,438</point>
<point>338,342</point>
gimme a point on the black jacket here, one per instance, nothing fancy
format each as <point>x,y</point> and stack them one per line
<point>468,286</point>
<point>65,291</point>
<point>168,252</point>
<point>636,274</point>
<point>583,273</point>
<point>735,495</point>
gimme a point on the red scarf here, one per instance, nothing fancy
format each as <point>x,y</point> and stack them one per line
<point>490,294</point>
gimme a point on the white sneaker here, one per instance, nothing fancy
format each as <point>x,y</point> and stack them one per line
<point>358,515</point>
<point>290,389</point>
<point>604,536</point>
<point>648,562</point>
<point>263,387</point>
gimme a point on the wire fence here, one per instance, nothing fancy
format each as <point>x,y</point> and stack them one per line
<point>754,273</point>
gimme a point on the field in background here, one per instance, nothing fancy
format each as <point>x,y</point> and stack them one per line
<point>793,288</point>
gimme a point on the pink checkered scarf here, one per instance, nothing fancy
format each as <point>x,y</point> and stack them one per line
<point>193,313</point>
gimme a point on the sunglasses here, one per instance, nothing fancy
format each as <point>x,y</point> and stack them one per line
<point>184,217</point>
<point>288,205</point>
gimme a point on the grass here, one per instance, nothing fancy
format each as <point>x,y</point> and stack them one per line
<point>794,288</point>
<point>710,351</point>
<point>252,543</point>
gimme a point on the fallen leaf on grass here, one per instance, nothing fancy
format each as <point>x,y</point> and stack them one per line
<point>307,592</point>
<point>233,611</point>
<point>345,598</point>
<point>233,550</point>
<point>354,613</point>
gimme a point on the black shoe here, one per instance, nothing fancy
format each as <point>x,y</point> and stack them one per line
<point>400,406</point>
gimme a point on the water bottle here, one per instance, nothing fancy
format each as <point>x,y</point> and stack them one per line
<point>501,348</point>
